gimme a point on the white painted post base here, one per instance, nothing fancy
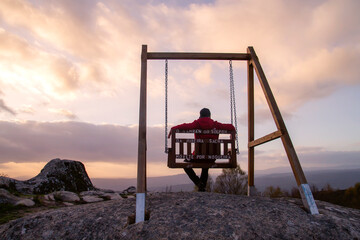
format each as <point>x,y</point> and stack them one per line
<point>308,199</point>
<point>251,191</point>
<point>140,207</point>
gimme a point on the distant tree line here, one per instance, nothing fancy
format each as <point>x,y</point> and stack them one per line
<point>349,197</point>
<point>235,181</point>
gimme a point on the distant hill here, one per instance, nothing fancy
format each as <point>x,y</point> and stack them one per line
<point>177,183</point>
<point>338,179</point>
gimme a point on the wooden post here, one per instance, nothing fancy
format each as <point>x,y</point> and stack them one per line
<point>141,173</point>
<point>304,188</point>
<point>251,128</point>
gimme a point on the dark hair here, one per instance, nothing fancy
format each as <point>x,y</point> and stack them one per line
<point>205,112</point>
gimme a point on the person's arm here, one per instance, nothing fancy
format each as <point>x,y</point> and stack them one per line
<point>224,126</point>
<point>185,126</point>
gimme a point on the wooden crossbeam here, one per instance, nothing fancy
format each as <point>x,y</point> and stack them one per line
<point>265,139</point>
<point>197,56</point>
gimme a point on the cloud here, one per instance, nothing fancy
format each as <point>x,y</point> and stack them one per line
<point>71,48</point>
<point>5,108</point>
<point>331,159</point>
<point>66,50</point>
<point>319,76</point>
<point>29,68</point>
<point>52,22</point>
<point>102,44</point>
<point>309,157</point>
<point>64,112</point>
<point>308,57</point>
<point>28,109</point>
<point>203,74</point>
<point>103,147</point>
<point>41,141</point>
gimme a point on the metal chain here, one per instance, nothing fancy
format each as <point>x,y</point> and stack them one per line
<point>233,104</point>
<point>231,93</point>
<point>166,106</point>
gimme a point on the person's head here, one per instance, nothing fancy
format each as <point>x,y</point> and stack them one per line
<point>205,112</point>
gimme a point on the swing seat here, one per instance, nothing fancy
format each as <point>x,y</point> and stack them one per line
<point>202,153</point>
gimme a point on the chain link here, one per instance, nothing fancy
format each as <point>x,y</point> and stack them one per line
<point>231,93</point>
<point>166,106</point>
<point>233,104</point>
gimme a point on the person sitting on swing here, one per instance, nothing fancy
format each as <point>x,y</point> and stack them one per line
<point>205,123</point>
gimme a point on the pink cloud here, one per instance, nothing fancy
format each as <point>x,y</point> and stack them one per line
<point>64,47</point>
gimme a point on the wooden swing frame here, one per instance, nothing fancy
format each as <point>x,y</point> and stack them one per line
<point>281,132</point>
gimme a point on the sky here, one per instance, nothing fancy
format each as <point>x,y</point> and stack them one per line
<point>70,79</point>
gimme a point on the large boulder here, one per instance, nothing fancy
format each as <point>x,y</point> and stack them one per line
<point>7,198</point>
<point>97,196</point>
<point>57,175</point>
<point>65,196</point>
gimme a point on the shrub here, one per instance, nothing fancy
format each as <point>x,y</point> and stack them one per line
<point>231,181</point>
<point>274,192</point>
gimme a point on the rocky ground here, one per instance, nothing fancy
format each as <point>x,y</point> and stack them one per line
<point>189,215</point>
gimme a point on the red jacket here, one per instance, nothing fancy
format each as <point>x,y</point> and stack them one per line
<point>205,123</point>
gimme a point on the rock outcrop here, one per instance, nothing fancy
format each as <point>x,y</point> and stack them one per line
<point>57,175</point>
<point>190,215</point>
<point>60,183</point>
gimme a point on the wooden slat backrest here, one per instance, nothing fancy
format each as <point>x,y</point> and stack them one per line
<point>203,152</point>
<point>181,148</point>
<point>188,148</point>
